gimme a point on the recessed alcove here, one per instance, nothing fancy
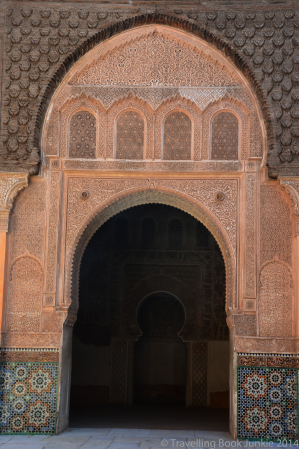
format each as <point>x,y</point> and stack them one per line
<point>151,324</point>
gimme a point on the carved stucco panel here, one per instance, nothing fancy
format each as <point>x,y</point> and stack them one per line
<point>147,59</point>
<point>25,295</point>
<point>155,96</point>
<point>53,231</point>
<point>28,220</point>
<point>51,136</point>
<point>205,192</point>
<point>276,300</point>
<point>9,188</point>
<point>241,111</point>
<point>178,103</point>
<point>292,189</point>
<point>98,191</point>
<point>31,340</point>
<point>10,185</point>
<point>250,235</point>
<point>156,166</point>
<point>245,325</point>
<point>276,232</point>
<point>131,103</point>
<point>83,102</point>
<point>274,345</point>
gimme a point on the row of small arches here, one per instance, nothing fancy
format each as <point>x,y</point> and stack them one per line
<point>130,135</point>
<point>149,235</point>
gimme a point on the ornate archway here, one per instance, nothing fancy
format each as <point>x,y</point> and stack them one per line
<point>76,195</point>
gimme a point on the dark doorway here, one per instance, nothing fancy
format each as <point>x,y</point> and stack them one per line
<point>151,324</point>
<point>160,354</point>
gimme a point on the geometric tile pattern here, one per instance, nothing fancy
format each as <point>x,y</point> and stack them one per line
<point>267,403</point>
<point>28,397</point>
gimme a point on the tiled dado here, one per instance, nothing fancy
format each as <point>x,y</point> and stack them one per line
<point>267,396</point>
<point>28,391</point>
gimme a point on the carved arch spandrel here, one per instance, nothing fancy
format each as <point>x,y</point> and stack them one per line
<point>135,197</point>
<point>167,284</point>
<point>10,186</point>
<point>143,55</point>
<point>83,103</point>
<point>226,104</point>
<point>188,107</point>
<point>131,103</point>
<point>291,187</point>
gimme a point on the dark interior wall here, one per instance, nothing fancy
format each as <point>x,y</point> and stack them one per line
<point>160,355</point>
<point>130,248</point>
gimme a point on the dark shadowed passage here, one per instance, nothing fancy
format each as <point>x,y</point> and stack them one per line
<point>150,344</point>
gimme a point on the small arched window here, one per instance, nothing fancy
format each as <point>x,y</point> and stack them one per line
<point>83,135</point>
<point>225,136</point>
<point>121,238</point>
<point>129,135</point>
<point>175,234</point>
<point>177,137</point>
<point>148,233</point>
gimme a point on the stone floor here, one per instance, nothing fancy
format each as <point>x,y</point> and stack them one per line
<point>126,439</point>
<point>150,416</point>
<point>138,426</point>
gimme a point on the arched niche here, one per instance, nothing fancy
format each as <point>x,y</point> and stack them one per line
<point>177,136</point>
<point>144,113</point>
<point>228,105</point>
<point>129,135</point>
<point>176,106</point>
<point>225,140</point>
<point>82,135</point>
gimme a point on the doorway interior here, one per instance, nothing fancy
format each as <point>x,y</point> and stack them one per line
<point>151,344</point>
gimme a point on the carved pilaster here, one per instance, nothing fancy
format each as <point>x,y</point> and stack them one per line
<point>52,238</point>
<point>250,239</point>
